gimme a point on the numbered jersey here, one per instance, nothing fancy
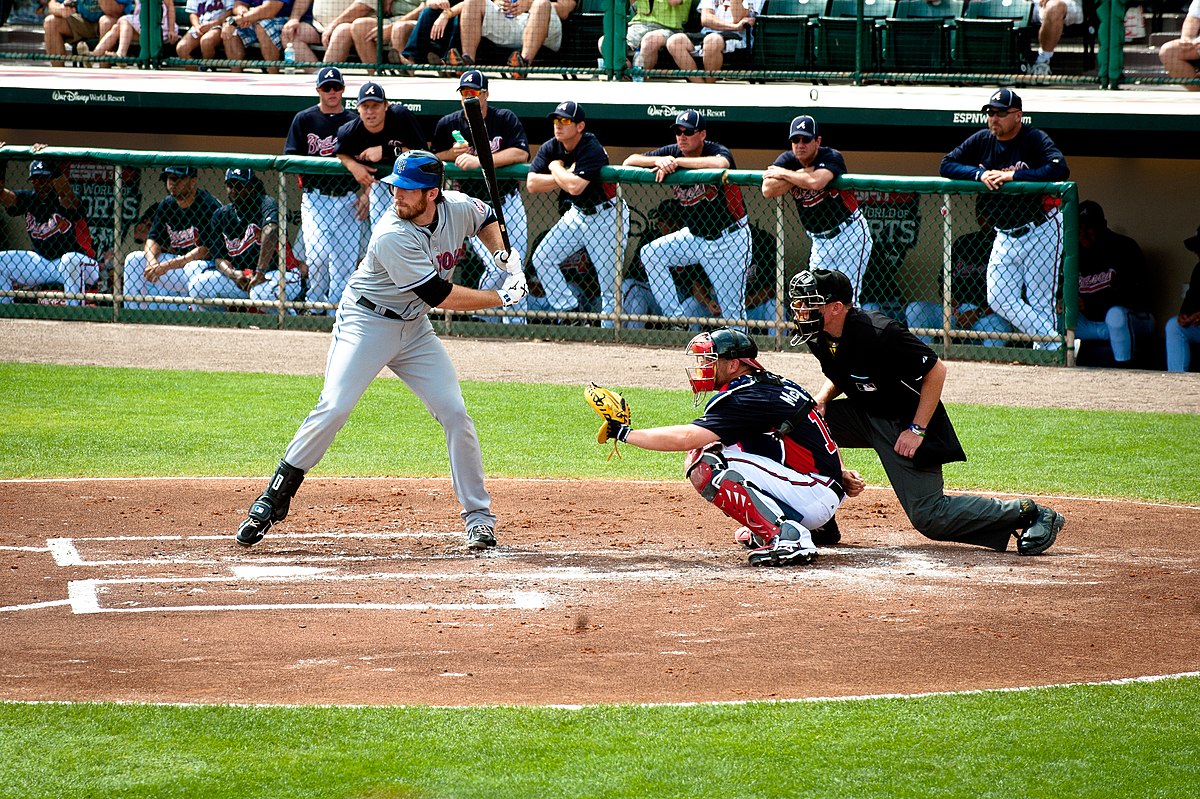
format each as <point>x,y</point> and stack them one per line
<point>770,416</point>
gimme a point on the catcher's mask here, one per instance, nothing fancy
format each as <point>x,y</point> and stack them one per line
<point>707,348</point>
<point>809,291</point>
<point>416,169</point>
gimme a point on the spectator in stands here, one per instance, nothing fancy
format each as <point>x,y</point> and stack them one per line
<point>129,30</point>
<point>436,32</point>
<point>526,25</point>
<point>245,241</point>
<point>652,24</point>
<point>177,244</point>
<point>1052,16</point>
<point>969,255</point>
<point>76,21</point>
<point>259,23</point>
<point>726,26</point>
<point>1181,57</point>
<point>62,251</point>
<point>207,20</point>
<point>1184,330</point>
<point>396,29</point>
<point>1112,275</point>
<point>324,22</point>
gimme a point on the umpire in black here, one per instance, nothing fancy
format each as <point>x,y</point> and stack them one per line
<point>893,385</point>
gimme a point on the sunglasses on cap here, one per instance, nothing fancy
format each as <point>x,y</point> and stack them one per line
<point>685,132</point>
<point>470,92</point>
<point>801,139</point>
<point>563,121</point>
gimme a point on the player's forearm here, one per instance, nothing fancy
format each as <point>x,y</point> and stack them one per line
<point>570,182</point>
<point>676,438</point>
<point>639,160</point>
<point>509,156</point>
<point>538,183</point>
<point>462,298</point>
<point>490,237</point>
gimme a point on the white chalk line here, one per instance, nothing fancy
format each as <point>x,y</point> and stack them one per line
<point>1119,681</point>
<point>425,481</point>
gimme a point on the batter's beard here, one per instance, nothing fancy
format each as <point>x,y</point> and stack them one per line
<point>413,214</point>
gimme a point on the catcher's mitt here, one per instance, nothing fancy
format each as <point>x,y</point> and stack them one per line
<point>615,412</point>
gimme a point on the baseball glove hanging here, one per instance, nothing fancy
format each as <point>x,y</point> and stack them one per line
<point>615,412</point>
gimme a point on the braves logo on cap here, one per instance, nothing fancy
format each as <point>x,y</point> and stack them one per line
<point>330,75</point>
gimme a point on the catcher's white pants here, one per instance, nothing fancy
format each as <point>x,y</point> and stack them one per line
<point>804,493</point>
<point>25,267</point>
<point>331,234</point>
<point>726,261</point>
<point>847,252</point>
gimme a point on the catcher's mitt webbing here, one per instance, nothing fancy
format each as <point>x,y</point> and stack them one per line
<point>611,407</point>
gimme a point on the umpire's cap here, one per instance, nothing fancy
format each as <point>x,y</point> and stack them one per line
<point>416,169</point>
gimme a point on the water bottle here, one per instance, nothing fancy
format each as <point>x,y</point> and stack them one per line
<point>638,62</point>
<point>289,59</point>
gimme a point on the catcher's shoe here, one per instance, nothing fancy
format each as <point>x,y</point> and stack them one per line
<point>827,534</point>
<point>793,545</point>
<point>481,536</point>
<point>1040,536</point>
<point>746,537</point>
<point>258,521</point>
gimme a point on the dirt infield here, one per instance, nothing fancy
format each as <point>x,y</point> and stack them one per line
<point>135,590</point>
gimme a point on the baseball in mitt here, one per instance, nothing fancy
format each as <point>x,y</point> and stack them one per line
<point>615,412</point>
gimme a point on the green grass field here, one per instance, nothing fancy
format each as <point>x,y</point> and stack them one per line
<point>1138,739</point>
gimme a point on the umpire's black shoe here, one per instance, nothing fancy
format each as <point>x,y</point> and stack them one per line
<point>827,534</point>
<point>481,536</point>
<point>1040,536</point>
<point>258,521</point>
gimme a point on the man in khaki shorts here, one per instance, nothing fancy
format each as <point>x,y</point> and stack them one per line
<point>1052,16</point>
<point>77,21</point>
<point>651,26</point>
<point>525,25</point>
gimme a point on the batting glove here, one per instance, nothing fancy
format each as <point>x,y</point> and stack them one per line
<point>514,290</point>
<point>507,261</point>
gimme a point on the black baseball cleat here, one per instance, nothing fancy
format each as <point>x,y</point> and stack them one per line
<point>1041,534</point>
<point>827,534</point>
<point>480,537</point>
<point>257,522</point>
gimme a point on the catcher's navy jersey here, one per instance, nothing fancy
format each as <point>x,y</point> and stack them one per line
<point>752,409</point>
<point>54,230</point>
<point>588,157</point>
<point>820,209</point>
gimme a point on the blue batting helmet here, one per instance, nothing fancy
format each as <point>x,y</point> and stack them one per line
<point>416,169</point>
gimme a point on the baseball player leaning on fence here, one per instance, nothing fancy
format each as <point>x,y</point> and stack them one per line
<point>383,321</point>
<point>893,387</point>
<point>1022,275</point>
<point>327,209</point>
<point>715,232</point>
<point>841,238</point>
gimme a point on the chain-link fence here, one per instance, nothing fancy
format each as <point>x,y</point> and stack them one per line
<point>226,239</point>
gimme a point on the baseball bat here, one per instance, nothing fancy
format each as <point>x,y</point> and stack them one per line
<point>483,150</point>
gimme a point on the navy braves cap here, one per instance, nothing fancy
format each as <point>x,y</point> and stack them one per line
<point>1003,99</point>
<point>691,119</point>
<point>803,125</point>
<point>327,75</point>
<point>40,169</point>
<point>177,172</point>
<point>473,79</point>
<point>371,92</point>
<point>240,174</point>
<point>568,109</point>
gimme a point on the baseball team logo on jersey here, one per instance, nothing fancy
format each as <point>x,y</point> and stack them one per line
<point>250,238</point>
<point>446,261</point>
<point>56,225</point>
<point>322,145</point>
<point>810,197</point>
<point>184,240</point>
<point>480,208</point>
<point>694,195</point>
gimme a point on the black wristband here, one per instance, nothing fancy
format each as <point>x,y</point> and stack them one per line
<point>623,432</point>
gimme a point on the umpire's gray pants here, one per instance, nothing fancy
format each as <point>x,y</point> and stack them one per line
<point>963,518</point>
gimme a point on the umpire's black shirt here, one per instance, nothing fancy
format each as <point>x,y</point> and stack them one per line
<point>881,367</point>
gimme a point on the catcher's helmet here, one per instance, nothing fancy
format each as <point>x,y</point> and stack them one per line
<point>416,169</point>
<point>809,291</point>
<point>707,348</point>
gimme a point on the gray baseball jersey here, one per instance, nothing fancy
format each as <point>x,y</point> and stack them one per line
<point>400,257</point>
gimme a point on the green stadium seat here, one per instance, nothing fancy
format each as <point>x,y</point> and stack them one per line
<point>919,35</point>
<point>837,33</point>
<point>993,36</point>
<point>783,34</point>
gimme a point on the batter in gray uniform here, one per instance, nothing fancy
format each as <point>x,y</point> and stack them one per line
<point>382,321</point>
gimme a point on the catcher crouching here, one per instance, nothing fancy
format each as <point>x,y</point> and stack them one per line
<point>760,452</point>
